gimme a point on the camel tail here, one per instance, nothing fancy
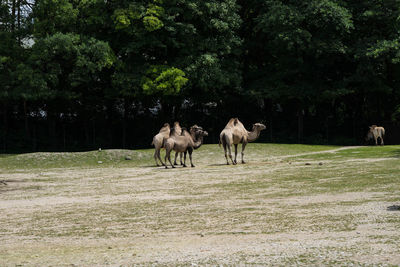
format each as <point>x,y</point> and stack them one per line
<point>383,131</point>
<point>152,143</point>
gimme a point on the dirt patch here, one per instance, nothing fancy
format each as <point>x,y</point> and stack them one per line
<point>261,213</point>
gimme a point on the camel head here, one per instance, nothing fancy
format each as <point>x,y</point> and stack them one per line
<point>197,131</point>
<point>195,128</point>
<point>370,134</point>
<point>259,126</point>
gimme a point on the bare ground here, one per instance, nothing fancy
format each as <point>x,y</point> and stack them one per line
<point>258,213</point>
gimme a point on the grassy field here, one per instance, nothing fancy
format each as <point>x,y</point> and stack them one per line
<point>289,205</point>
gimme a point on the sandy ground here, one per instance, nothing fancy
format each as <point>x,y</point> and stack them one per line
<point>209,215</point>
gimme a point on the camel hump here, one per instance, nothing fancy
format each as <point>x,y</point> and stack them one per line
<point>232,123</point>
<point>165,128</point>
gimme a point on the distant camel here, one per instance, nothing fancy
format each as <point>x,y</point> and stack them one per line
<point>185,142</point>
<point>158,141</point>
<point>375,132</point>
<point>235,133</point>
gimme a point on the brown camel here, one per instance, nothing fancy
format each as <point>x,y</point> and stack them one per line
<point>159,138</point>
<point>177,131</point>
<point>235,133</point>
<point>158,141</point>
<point>375,132</point>
<point>185,142</point>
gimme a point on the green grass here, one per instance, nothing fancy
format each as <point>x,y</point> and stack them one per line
<point>143,158</point>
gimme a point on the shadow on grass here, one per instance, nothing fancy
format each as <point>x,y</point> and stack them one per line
<point>218,164</point>
<point>393,208</point>
<point>396,153</point>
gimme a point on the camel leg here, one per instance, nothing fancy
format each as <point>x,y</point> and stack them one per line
<point>376,141</point>
<point>168,156</point>
<point>190,150</point>
<point>184,160</point>
<point>176,155</point>
<point>226,154</point>
<point>180,157</point>
<point>155,157</point>
<point>235,152</point>
<point>159,157</point>
<point>230,154</point>
<point>243,147</point>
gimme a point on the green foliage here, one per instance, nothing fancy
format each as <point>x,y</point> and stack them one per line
<point>61,63</point>
<point>335,61</point>
<point>152,23</point>
<point>384,48</point>
<point>54,15</point>
<point>123,18</point>
<point>163,79</point>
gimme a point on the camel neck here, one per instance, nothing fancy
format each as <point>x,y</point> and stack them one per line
<point>198,142</point>
<point>253,135</point>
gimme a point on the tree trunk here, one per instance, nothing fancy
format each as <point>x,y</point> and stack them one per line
<point>5,126</point>
<point>300,125</point>
<point>94,132</point>
<point>269,108</point>
<point>327,129</point>
<point>354,129</point>
<point>13,6</point>
<point>64,138</point>
<point>19,20</point>
<point>34,141</point>
<point>124,122</point>
<point>166,109</point>
<point>26,122</point>
<point>52,129</point>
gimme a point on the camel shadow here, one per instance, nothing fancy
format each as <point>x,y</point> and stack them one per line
<point>396,153</point>
<point>393,208</point>
<point>218,164</point>
<point>161,167</point>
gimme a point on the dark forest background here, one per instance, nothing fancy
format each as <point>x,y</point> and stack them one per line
<point>83,74</point>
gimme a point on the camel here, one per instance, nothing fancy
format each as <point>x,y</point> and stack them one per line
<point>375,132</point>
<point>158,141</point>
<point>235,133</point>
<point>185,142</point>
<point>159,138</point>
<point>178,130</point>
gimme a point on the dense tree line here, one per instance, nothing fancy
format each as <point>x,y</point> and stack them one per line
<point>82,74</point>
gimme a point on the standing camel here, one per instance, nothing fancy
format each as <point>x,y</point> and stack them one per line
<point>177,130</point>
<point>235,133</point>
<point>185,142</point>
<point>159,138</point>
<point>375,132</point>
<point>158,141</point>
